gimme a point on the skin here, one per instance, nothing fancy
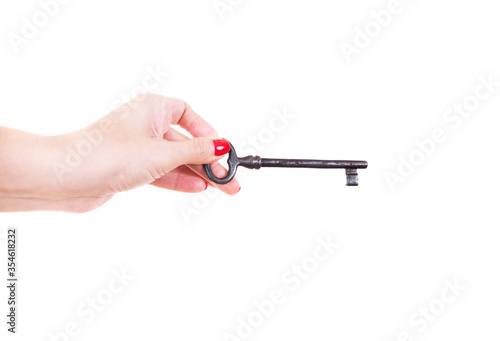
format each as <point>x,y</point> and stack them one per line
<point>132,146</point>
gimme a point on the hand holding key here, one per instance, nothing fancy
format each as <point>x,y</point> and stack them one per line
<point>132,146</point>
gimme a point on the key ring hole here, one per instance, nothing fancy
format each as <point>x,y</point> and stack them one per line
<point>224,161</point>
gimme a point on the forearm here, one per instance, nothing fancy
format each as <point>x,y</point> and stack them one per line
<point>27,181</point>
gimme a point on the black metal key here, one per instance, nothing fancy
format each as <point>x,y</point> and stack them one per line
<point>256,162</point>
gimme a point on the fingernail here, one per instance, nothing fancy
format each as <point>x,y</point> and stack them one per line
<point>206,186</point>
<point>238,190</point>
<point>221,147</point>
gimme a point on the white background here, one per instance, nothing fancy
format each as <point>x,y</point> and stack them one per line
<point>194,277</point>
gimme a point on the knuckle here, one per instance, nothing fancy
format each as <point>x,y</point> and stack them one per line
<point>183,106</point>
<point>199,148</point>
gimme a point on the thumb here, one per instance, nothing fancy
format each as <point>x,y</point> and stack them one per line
<point>199,150</point>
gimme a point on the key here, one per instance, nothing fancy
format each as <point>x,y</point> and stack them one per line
<point>256,162</point>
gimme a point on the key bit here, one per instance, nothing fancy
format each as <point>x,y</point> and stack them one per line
<point>256,162</point>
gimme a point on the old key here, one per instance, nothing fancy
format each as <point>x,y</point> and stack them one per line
<point>256,162</point>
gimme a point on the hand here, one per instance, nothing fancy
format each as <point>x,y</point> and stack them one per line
<point>132,146</point>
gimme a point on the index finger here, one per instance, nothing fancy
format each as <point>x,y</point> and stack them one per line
<point>184,116</point>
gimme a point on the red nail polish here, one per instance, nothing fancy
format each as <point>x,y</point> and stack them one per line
<point>206,186</point>
<point>221,147</point>
<point>238,190</point>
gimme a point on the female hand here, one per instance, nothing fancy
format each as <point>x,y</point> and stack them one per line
<point>132,146</point>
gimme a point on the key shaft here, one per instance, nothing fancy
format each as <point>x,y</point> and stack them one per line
<point>305,163</point>
<point>256,162</point>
